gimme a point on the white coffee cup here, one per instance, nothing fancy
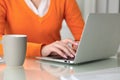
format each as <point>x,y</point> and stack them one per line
<point>14,48</point>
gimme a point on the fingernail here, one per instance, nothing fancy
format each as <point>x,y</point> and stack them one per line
<point>71,55</point>
<point>76,43</point>
<point>65,56</point>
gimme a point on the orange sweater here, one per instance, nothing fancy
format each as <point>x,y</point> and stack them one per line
<point>17,18</point>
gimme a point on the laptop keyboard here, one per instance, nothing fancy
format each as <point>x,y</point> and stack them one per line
<point>59,57</point>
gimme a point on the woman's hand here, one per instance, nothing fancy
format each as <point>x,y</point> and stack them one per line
<point>62,48</point>
<point>75,46</point>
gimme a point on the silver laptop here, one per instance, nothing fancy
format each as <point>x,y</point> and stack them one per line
<point>100,39</point>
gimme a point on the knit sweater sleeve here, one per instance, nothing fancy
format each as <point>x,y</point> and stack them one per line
<point>74,18</point>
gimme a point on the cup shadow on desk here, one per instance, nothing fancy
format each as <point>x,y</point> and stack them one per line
<point>17,73</point>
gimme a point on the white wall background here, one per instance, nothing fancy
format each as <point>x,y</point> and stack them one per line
<point>100,6</point>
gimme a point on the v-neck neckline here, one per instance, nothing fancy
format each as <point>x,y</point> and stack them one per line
<point>35,15</point>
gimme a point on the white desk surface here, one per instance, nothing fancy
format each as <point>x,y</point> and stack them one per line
<point>43,70</point>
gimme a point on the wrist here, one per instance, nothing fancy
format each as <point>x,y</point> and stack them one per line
<point>42,50</point>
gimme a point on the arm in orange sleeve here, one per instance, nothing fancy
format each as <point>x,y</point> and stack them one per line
<point>74,18</point>
<point>33,49</point>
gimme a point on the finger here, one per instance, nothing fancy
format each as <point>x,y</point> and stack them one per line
<point>69,48</point>
<point>58,51</point>
<point>74,47</point>
<point>64,48</point>
<point>67,41</point>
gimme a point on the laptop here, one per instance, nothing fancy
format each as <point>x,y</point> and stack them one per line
<point>100,39</point>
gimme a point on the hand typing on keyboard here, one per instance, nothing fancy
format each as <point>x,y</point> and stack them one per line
<point>61,48</point>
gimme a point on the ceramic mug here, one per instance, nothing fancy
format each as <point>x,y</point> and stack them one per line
<point>14,49</point>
